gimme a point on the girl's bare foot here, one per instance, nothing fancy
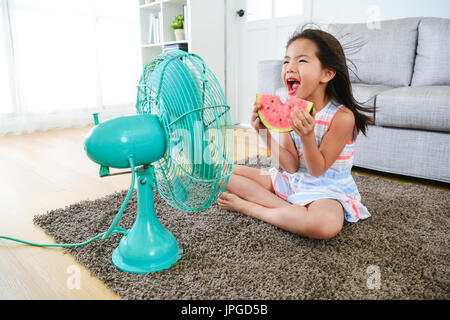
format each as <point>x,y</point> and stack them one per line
<point>231,202</point>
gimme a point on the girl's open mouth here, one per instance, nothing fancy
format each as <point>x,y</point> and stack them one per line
<point>292,85</point>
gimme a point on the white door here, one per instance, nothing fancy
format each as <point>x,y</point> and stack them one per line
<point>256,30</point>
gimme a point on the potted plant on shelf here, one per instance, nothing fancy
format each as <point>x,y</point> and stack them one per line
<point>177,25</point>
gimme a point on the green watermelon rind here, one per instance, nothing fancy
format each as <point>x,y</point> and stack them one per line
<point>280,130</point>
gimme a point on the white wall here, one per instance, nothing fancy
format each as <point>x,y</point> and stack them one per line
<point>354,11</point>
<point>207,18</point>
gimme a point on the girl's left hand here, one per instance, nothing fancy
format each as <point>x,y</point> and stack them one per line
<point>302,122</point>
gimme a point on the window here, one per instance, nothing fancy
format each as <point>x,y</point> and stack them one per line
<point>68,56</point>
<point>284,8</point>
<point>55,54</point>
<point>6,105</point>
<point>258,10</point>
<point>267,9</point>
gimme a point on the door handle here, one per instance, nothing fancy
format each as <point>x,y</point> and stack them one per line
<point>240,13</point>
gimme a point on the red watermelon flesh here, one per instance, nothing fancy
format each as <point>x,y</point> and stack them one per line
<point>275,114</point>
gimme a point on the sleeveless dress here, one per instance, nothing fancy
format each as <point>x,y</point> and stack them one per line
<point>337,183</point>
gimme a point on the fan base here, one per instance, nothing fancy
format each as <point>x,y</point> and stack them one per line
<point>147,246</point>
<point>143,266</point>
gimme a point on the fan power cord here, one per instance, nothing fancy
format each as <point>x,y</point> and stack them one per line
<point>125,203</point>
<point>112,229</point>
<point>47,245</point>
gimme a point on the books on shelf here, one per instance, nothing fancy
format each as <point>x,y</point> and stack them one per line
<point>154,29</point>
<point>176,46</point>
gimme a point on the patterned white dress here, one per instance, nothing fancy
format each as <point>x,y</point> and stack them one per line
<point>301,188</point>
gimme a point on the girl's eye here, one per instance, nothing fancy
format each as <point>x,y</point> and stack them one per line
<point>302,60</point>
<point>285,62</point>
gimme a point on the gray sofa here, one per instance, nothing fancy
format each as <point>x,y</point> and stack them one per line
<point>403,69</point>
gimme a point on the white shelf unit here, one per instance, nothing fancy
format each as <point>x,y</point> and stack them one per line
<point>165,10</point>
<point>205,32</point>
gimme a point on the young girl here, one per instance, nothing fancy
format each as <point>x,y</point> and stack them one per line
<point>316,191</point>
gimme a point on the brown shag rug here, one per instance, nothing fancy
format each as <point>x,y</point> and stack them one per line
<point>401,252</point>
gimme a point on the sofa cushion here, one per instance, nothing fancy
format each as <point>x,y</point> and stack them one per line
<point>418,153</point>
<point>382,55</point>
<point>426,107</point>
<point>365,94</point>
<point>432,66</point>
<point>269,76</point>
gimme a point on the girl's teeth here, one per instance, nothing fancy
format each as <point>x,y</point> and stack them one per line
<point>293,86</point>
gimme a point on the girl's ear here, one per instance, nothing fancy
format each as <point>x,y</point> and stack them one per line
<point>327,75</point>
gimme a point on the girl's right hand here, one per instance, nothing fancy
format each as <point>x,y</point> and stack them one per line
<point>255,121</point>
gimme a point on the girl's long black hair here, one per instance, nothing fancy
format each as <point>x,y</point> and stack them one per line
<point>339,89</point>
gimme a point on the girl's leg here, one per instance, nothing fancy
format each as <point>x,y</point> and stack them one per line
<point>327,216</point>
<point>254,185</point>
<point>323,219</point>
<point>258,175</point>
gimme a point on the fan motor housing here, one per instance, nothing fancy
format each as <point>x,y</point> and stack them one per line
<point>112,142</point>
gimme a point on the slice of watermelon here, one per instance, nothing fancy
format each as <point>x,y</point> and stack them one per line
<point>275,114</point>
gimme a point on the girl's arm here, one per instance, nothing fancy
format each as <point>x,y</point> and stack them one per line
<point>284,152</point>
<point>318,160</point>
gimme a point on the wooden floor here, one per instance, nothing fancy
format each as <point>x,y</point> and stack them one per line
<point>49,170</point>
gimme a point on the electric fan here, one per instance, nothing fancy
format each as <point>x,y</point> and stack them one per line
<point>180,142</point>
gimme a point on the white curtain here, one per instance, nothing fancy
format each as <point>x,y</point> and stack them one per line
<point>62,60</point>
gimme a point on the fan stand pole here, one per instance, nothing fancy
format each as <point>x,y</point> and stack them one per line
<point>148,246</point>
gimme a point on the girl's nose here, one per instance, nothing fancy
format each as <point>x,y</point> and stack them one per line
<point>290,66</point>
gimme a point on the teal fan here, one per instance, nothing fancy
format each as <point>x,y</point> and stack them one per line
<point>180,142</point>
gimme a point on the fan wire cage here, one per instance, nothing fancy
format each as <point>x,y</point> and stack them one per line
<point>184,94</point>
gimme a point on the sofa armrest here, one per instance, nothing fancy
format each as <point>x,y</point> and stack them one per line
<point>269,76</point>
